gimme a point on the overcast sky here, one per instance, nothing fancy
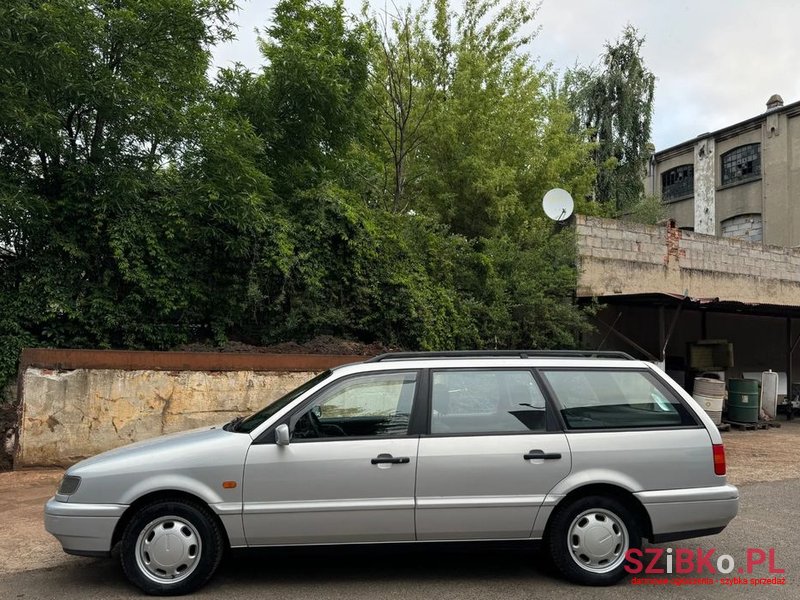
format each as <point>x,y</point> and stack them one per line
<point>717,61</point>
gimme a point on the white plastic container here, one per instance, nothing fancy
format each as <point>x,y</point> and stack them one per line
<point>769,393</point>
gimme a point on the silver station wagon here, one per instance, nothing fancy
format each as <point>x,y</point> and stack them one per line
<point>591,452</point>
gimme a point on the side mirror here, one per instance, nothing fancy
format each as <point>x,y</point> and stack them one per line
<point>282,435</point>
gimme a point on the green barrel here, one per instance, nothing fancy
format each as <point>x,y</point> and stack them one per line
<point>743,400</point>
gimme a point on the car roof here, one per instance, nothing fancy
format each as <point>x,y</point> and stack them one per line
<point>449,361</point>
<point>502,354</point>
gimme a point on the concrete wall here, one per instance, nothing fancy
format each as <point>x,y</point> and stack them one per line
<point>615,257</point>
<point>682,212</point>
<point>779,197</point>
<point>739,199</point>
<point>792,141</point>
<point>705,217</point>
<point>67,414</point>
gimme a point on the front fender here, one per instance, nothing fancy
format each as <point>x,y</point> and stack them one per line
<point>178,483</point>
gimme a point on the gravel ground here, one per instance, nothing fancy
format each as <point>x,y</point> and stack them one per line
<point>753,456</point>
<point>25,544</point>
<point>763,455</point>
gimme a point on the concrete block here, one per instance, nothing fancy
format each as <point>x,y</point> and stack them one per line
<point>616,255</point>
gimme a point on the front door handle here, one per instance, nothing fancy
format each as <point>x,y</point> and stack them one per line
<point>538,454</point>
<point>388,459</point>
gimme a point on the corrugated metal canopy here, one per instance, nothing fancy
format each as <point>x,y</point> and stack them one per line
<point>709,304</point>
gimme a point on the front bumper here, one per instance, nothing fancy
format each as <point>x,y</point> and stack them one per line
<point>686,513</point>
<point>83,529</point>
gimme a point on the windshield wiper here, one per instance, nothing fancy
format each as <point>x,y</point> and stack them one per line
<point>232,425</point>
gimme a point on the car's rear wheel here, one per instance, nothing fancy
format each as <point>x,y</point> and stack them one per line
<point>171,547</point>
<point>589,539</point>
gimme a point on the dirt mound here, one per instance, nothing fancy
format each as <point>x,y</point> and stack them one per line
<point>323,344</point>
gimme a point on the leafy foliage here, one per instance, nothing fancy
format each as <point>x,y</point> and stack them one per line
<point>650,210</point>
<point>313,90</point>
<point>102,116</point>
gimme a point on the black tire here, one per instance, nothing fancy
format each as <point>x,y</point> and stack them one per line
<point>594,509</point>
<point>207,553</point>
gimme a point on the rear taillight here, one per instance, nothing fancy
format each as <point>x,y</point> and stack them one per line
<point>719,459</point>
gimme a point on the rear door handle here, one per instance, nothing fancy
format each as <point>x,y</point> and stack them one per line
<point>388,459</point>
<point>539,454</point>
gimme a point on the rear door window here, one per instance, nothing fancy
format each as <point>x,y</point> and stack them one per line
<point>609,399</point>
<point>485,401</point>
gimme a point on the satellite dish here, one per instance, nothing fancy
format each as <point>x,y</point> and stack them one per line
<point>558,204</point>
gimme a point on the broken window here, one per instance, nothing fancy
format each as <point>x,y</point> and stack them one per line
<point>741,163</point>
<point>677,182</point>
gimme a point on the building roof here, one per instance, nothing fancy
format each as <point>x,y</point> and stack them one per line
<point>730,128</point>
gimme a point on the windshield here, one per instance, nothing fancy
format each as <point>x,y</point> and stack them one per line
<point>250,423</point>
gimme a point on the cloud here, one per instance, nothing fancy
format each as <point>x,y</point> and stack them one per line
<point>717,61</point>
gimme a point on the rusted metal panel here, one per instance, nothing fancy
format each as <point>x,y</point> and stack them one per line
<point>134,360</point>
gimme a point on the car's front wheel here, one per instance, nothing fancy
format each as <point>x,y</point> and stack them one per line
<point>589,539</point>
<point>171,547</point>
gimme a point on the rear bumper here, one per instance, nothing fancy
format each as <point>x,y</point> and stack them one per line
<point>680,514</point>
<point>82,529</point>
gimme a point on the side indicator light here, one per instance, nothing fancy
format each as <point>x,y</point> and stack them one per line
<point>229,485</point>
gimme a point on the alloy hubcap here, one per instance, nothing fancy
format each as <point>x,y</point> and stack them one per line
<point>168,549</point>
<point>598,540</point>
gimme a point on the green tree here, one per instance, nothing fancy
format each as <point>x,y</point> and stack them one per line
<point>498,135</point>
<point>124,198</point>
<point>650,210</point>
<point>340,264</point>
<point>314,91</point>
<point>614,106</point>
<point>307,108</point>
<point>490,135</point>
<point>403,91</point>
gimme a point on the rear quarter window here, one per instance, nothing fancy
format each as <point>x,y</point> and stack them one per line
<point>607,399</point>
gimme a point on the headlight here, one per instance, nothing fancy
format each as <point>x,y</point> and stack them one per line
<point>69,485</point>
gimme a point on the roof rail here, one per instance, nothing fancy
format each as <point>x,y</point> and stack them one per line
<point>502,354</point>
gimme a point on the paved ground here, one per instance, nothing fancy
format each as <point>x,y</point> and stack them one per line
<point>763,463</point>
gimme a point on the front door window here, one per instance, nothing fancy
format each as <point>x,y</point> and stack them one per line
<point>377,405</point>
